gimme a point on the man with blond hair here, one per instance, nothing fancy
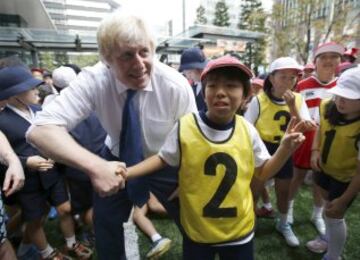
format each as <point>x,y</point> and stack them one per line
<point>129,80</point>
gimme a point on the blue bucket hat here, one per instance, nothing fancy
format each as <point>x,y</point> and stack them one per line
<point>15,80</point>
<point>192,58</point>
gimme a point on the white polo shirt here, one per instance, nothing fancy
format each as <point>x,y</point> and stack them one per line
<point>167,97</point>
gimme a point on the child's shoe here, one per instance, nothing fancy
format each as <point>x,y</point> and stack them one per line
<point>288,234</point>
<point>319,223</point>
<point>56,255</point>
<point>318,245</point>
<point>159,248</point>
<point>79,250</point>
<point>264,212</point>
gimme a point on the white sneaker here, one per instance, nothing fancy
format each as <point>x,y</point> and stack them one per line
<point>159,248</point>
<point>318,245</point>
<point>319,223</point>
<point>288,234</point>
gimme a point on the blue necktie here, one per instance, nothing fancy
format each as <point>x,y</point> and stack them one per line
<point>131,151</point>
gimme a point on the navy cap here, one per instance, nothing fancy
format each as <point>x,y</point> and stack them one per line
<point>192,58</point>
<point>15,80</point>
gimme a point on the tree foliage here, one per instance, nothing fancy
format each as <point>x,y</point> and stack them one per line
<point>299,28</point>
<point>200,15</point>
<point>253,18</point>
<point>222,17</point>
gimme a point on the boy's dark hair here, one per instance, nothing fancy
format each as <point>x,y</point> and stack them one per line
<point>332,114</point>
<point>231,73</point>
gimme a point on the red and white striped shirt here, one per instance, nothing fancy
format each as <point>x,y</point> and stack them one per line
<point>313,91</point>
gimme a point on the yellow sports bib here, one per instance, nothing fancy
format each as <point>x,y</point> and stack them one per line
<point>216,203</point>
<point>338,146</point>
<point>273,118</point>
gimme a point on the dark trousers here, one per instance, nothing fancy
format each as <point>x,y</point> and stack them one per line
<point>197,251</point>
<point>111,212</point>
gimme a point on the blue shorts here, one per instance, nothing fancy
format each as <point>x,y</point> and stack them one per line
<point>334,187</point>
<point>2,222</point>
<point>198,251</point>
<point>81,194</point>
<point>36,204</point>
<point>286,172</point>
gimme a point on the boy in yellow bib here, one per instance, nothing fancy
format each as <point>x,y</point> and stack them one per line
<point>218,154</point>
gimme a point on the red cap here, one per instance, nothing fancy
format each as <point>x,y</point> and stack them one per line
<point>329,47</point>
<point>37,69</point>
<point>258,81</point>
<point>225,61</point>
<point>352,52</point>
<point>309,66</point>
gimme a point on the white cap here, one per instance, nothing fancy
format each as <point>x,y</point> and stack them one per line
<point>62,76</point>
<point>284,63</point>
<point>348,84</point>
<point>329,47</point>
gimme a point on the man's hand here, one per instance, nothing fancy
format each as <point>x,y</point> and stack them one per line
<point>109,178</point>
<point>38,163</point>
<point>14,177</point>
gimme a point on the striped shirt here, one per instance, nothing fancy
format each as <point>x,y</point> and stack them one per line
<point>313,91</point>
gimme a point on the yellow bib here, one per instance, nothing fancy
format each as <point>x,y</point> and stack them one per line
<point>273,118</point>
<point>338,145</point>
<point>216,203</point>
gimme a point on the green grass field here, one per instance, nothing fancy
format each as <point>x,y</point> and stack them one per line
<point>268,243</point>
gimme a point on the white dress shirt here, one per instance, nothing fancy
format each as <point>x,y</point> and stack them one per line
<point>167,97</point>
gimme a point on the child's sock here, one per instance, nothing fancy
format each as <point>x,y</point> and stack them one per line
<point>70,241</point>
<point>155,237</point>
<point>267,205</point>
<point>317,212</point>
<point>283,219</point>
<point>47,251</point>
<point>336,231</point>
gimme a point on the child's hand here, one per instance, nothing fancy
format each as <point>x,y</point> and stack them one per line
<point>122,171</point>
<point>289,98</point>
<point>336,208</point>
<point>38,163</point>
<point>310,125</point>
<point>293,136</point>
<point>315,160</point>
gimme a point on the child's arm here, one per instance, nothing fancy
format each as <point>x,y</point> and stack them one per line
<point>291,141</point>
<point>338,206</point>
<point>146,167</point>
<point>315,152</point>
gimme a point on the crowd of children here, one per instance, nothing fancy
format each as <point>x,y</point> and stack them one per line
<point>247,131</point>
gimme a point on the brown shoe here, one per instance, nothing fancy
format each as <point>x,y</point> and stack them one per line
<point>79,250</point>
<point>264,212</point>
<point>56,255</point>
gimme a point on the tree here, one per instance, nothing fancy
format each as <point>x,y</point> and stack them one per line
<point>200,15</point>
<point>222,17</point>
<point>301,27</point>
<point>253,18</point>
